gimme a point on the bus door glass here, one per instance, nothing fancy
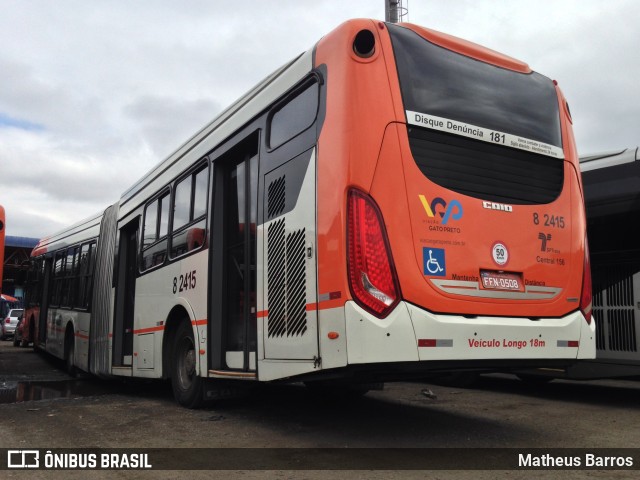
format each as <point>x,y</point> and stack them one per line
<point>232,299</point>
<point>125,295</point>
<point>241,187</point>
<point>45,296</point>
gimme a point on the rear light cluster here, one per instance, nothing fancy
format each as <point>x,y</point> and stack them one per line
<point>372,277</point>
<point>585,298</point>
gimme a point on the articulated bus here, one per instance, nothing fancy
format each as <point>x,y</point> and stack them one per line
<point>2,240</point>
<point>611,197</point>
<point>393,202</point>
<point>6,302</point>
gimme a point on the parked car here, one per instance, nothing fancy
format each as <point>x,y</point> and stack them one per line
<point>10,322</point>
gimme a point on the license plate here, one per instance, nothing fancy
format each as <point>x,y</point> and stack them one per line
<point>501,280</point>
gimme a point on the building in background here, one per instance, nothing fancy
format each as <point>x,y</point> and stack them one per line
<point>16,265</point>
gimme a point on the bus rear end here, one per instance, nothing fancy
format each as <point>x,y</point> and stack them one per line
<point>466,236</point>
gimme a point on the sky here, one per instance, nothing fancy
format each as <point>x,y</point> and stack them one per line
<point>93,94</point>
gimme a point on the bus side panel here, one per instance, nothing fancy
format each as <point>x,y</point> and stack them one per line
<point>332,335</point>
<point>157,294</point>
<point>57,321</point>
<point>290,329</point>
<point>81,332</point>
<point>154,300</point>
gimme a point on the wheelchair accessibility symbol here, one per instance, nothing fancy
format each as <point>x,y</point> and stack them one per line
<point>433,262</point>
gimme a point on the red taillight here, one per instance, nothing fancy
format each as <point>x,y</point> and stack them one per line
<point>372,277</point>
<point>585,297</point>
<point>7,320</point>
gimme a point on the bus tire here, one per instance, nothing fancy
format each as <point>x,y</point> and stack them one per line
<point>187,385</point>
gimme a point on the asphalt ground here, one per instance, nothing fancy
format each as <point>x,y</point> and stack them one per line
<point>42,407</point>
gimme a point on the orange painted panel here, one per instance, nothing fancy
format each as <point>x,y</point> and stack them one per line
<point>364,144</point>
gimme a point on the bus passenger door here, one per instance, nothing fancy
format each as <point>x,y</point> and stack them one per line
<point>233,258</point>
<point>46,286</point>
<point>125,295</point>
<point>288,257</point>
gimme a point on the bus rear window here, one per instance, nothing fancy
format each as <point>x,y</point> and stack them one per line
<point>446,84</point>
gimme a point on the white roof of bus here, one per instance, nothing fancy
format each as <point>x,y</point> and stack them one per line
<point>231,119</point>
<point>609,159</point>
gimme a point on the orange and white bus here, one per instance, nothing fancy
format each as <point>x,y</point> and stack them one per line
<point>2,240</point>
<point>393,202</point>
<point>6,302</point>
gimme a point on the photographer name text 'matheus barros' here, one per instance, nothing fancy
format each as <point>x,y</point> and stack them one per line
<point>587,460</point>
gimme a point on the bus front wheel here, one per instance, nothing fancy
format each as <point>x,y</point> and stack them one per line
<point>187,385</point>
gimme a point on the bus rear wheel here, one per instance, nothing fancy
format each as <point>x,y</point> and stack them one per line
<point>69,356</point>
<point>187,385</point>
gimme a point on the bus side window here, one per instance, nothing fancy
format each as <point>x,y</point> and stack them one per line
<point>294,117</point>
<point>195,238</point>
<point>56,290</point>
<point>70,272</point>
<point>83,280</point>
<point>154,234</point>
<point>190,213</point>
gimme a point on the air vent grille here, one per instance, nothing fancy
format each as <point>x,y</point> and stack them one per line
<point>276,197</point>
<point>286,277</point>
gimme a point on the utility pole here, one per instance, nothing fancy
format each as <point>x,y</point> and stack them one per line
<point>394,11</point>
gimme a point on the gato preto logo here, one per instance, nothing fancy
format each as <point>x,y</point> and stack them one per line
<point>23,458</point>
<point>451,210</point>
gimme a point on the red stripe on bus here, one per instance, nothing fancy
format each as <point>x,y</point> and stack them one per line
<point>427,342</point>
<point>334,302</point>
<point>161,327</point>
<point>148,330</point>
<point>83,337</point>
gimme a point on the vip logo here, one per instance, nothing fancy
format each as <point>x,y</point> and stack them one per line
<point>446,211</point>
<point>544,238</point>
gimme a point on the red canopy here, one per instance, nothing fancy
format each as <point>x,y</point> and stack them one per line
<point>8,298</point>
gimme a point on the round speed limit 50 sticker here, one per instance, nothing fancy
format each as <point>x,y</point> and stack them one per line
<point>500,253</point>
